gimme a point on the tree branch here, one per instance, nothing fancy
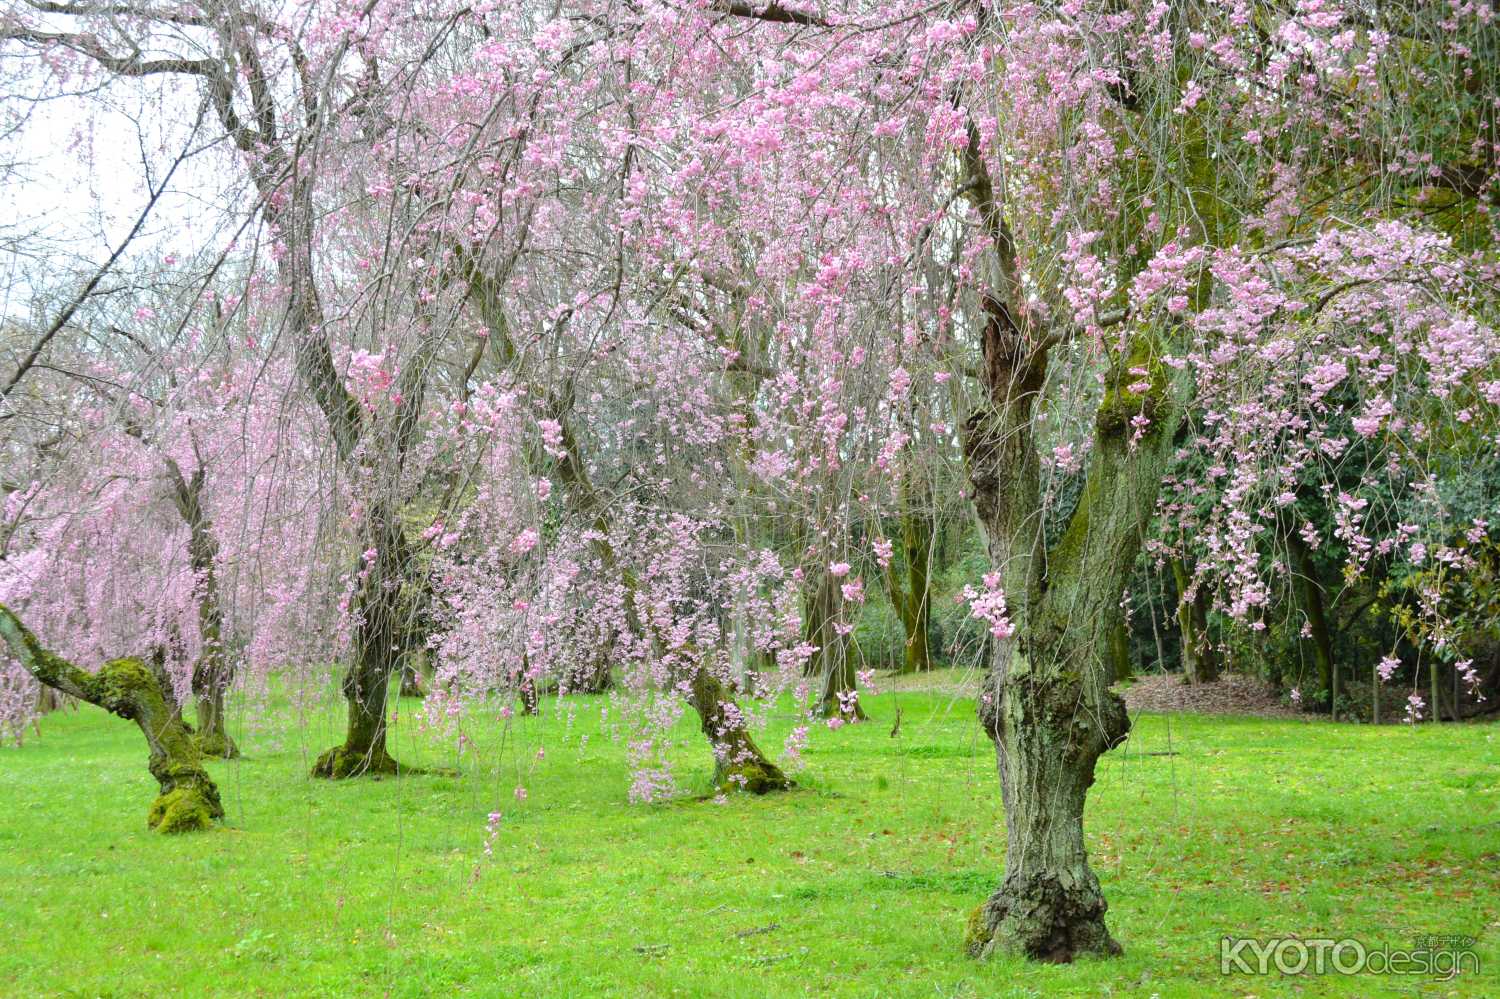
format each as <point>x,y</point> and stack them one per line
<point>29,361</point>
<point>123,65</point>
<point>773,12</point>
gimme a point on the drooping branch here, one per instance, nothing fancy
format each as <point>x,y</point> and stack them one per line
<point>123,65</point>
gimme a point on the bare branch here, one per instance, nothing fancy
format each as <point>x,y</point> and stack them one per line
<point>29,361</point>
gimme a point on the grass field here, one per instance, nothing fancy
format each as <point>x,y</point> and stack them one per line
<point>858,884</point>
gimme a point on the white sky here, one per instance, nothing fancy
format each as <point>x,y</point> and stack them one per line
<point>81,183</point>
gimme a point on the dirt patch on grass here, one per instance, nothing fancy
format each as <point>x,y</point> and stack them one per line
<point>957,681</point>
<point>1156,692</point>
<point>1229,695</point>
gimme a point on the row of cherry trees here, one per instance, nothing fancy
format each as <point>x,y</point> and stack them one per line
<point>596,343</point>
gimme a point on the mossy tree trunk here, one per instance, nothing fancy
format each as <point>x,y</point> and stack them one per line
<point>1310,590</point>
<point>912,600</point>
<point>1046,701</point>
<point>830,663</point>
<point>187,800</point>
<point>214,671</point>
<point>739,764</point>
<point>1199,664</point>
<point>366,689</point>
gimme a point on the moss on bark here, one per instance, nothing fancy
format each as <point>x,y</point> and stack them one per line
<point>756,775</point>
<point>739,765</point>
<point>345,761</point>
<point>186,808</point>
<point>217,744</point>
<point>211,737</point>
<point>188,800</point>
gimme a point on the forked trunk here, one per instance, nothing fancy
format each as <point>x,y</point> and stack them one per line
<point>48,700</point>
<point>589,677</point>
<point>1046,702</point>
<point>739,765</point>
<point>187,800</point>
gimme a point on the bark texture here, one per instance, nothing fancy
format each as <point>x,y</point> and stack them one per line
<point>188,800</point>
<point>1048,734</point>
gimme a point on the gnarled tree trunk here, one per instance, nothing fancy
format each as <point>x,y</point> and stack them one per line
<point>1049,729</point>
<point>188,799</point>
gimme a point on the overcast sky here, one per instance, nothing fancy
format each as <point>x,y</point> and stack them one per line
<point>80,183</point>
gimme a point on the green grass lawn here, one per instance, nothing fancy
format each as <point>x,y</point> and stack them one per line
<point>859,884</point>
